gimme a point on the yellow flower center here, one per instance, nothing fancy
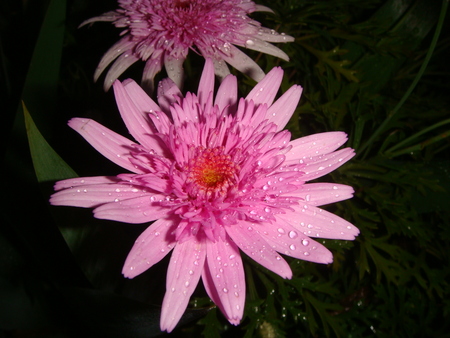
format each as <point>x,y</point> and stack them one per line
<point>212,170</point>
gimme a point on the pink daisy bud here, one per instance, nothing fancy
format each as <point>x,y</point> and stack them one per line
<point>161,32</point>
<point>218,176</point>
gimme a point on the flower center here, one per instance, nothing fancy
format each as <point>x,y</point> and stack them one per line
<point>212,171</point>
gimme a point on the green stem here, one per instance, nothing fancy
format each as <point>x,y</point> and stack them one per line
<point>388,119</point>
<point>409,139</point>
<point>421,145</point>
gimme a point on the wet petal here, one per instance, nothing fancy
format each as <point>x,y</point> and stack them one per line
<point>167,94</point>
<point>185,268</point>
<point>81,181</point>
<point>315,222</point>
<point>113,53</point>
<point>175,71</point>
<point>244,64</point>
<point>321,165</point>
<point>318,194</point>
<point>113,146</point>
<point>315,145</point>
<point>134,106</point>
<point>224,279</point>
<point>150,247</point>
<point>227,95</point>
<point>287,240</point>
<point>254,246</point>
<point>122,63</point>
<point>89,196</point>
<point>152,67</point>
<point>266,90</point>
<point>281,111</point>
<point>134,211</point>
<point>206,85</point>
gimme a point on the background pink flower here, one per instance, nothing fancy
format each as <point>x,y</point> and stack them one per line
<point>215,176</point>
<point>161,32</point>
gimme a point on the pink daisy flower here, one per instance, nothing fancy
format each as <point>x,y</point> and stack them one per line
<point>217,176</point>
<point>161,32</point>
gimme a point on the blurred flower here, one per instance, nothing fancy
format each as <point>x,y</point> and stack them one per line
<point>215,177</point>
<point>161,32</point>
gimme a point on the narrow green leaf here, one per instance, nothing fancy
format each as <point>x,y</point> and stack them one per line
<point>48,165</point>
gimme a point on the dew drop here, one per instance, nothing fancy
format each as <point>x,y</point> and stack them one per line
<point>306,253</point>
<point>225,290</point>
<point>281,230</point>
<point>292,234</point>
<point>305,242</point>
<point>236,294</point>
<point>292,247</point>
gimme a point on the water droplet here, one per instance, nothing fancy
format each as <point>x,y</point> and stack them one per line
<point>305,242</point>
<point>191,272</point>
<point>281,230</point>
<point>157,234</point>
<point>292,234</point>
<point>225,290</point>
<point>186,284</point>
<point>236,294</point>
<point>231,256</point>
<point>292,247</point>
<point>306,253</point>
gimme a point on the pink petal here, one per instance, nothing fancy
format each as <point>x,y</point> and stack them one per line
<point>174,69</point>
<point>206,85</point>
<point>167,94</point>
<point>135,211</point>
<point>315,222</point>
<point>221,69</point>
<point>113,146</point>
<point>316,144</point>
<point>287,240</point>
<point>185,268</point>
<point>266,90</point>
<point>244,64</point>
<point>117,49</point>
<point>134,106</point>
<point>88,196</point>
<point>254,246</point>
<point>150,247</point>
<point>266,48</point>
<point>109,16</point>
<point>321,165</point>
<point>227,95</point>
<point>269,35</point>
<point>224,278</point>
<point>281,111</point>
<point>122,63</point>
<point>152,67</point>
<point>318,194</point>
<point>80,181</point>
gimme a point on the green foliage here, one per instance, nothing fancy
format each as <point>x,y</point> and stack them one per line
<point>377,70</point>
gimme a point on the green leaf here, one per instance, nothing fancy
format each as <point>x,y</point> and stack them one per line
<point>48,165</point>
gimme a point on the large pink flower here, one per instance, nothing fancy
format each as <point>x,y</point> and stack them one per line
<point>161,32</point>
<point>216,175</point>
